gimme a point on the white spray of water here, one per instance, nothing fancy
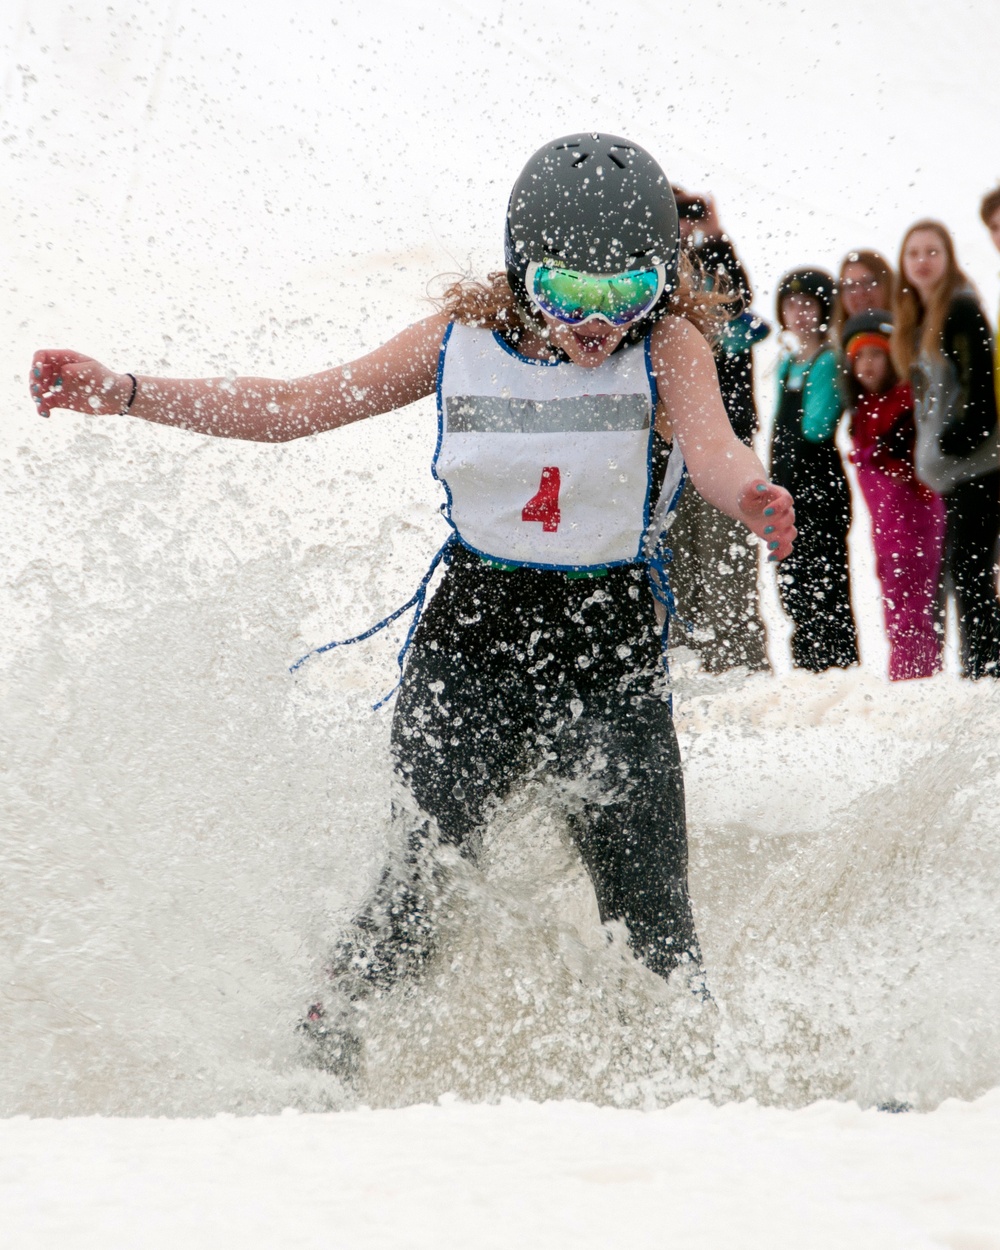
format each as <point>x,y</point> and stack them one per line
<point>185,827</point>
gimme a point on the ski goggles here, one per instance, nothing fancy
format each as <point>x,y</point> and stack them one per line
<point>574,298</point>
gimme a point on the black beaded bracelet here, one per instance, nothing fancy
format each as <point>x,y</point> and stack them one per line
<point>131,398</point>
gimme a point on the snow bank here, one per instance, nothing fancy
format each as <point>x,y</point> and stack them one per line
<point>520,1174</point>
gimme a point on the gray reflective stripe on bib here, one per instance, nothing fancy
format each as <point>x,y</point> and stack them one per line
<point>490,414</point>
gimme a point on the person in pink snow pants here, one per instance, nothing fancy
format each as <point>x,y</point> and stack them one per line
<point>908,519</point>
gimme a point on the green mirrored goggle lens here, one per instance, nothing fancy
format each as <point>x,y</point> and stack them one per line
<point>573,297</point>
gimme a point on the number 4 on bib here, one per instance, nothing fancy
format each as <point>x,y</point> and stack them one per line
<point>544,505</point>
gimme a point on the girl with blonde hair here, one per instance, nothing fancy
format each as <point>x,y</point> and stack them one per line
<point>941,342</point>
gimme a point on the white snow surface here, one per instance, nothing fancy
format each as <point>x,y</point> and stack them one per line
<point>235,188</point>
<point>520,1174</point>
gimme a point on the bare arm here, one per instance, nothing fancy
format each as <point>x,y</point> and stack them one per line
<point>725,471</point>
<point>263,410</point>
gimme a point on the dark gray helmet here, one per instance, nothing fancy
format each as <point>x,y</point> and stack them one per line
<point>595,203</point>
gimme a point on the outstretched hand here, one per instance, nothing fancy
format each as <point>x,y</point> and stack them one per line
<point>65,379</point>
<point>768,511</point>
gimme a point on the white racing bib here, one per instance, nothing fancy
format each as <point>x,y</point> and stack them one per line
<point>549,464</point>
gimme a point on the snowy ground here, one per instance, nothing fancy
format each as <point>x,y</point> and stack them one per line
<point>521,1174</point>
<point>228,189</point>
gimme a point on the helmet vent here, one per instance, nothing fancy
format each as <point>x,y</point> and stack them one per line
<point>622,160</point>
<point>569,147</point>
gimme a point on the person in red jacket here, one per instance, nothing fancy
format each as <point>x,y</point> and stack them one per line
<point>907,517</point>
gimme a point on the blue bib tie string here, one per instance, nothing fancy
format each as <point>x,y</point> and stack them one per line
<point>416,600</point>
<point>658,576</point>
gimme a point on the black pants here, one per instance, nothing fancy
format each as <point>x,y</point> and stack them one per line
<point>815,592</point>
<point>970,571</point>
<point>517,674</point>
<point>814,580</point>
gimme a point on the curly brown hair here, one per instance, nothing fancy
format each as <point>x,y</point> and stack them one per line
<point>491,303</point>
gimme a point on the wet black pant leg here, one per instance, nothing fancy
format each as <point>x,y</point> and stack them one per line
<point>457,744</point>
<point>458,740</point>
<point>632,833</point>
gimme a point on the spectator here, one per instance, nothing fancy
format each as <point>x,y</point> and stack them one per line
<point>989,210</point>
<point>907,517</point>
<point>714,572</point>
<point>814,587</point>
<point>864,285</point>
<point>941,341</point>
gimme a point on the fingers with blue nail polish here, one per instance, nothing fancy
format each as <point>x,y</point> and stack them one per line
<point>769,512</point>
<point>768,529</point>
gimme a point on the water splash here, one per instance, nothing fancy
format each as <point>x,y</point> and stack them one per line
<point>184,829</point>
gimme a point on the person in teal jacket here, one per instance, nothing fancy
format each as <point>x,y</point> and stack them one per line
<point>814,583</point>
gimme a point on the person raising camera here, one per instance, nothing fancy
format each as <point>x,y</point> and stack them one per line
<point>714,572</point>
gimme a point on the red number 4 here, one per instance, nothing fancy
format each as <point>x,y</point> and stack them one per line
<point>544,505</point>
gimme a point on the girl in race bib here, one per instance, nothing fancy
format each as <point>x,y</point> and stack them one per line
<point>575,391</point>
